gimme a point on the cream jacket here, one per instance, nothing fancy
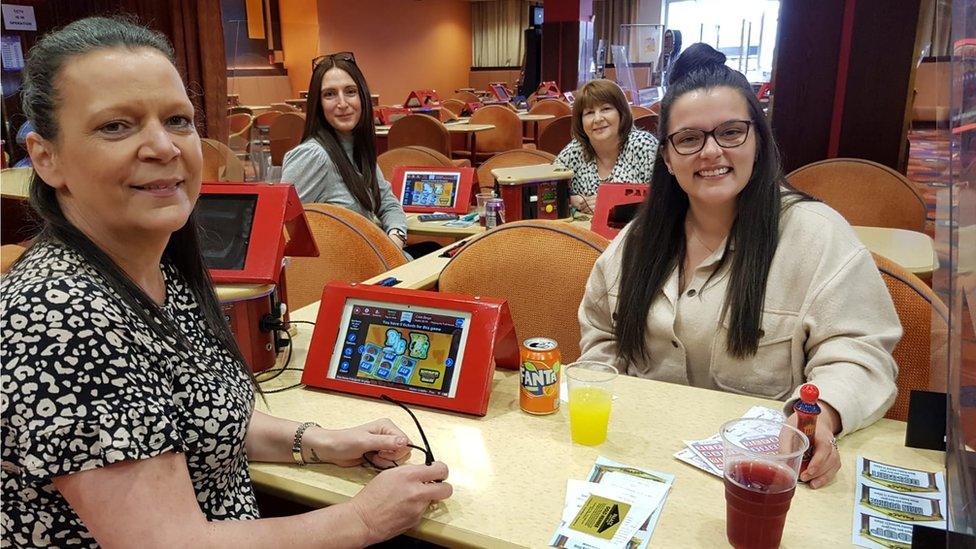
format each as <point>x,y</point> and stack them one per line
<point>827,319</point>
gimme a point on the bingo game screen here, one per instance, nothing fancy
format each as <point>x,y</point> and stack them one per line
<point>431,189</point>
<point>403,346</point>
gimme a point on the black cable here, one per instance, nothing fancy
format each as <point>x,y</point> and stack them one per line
<point>300,322</point>
<point>284,367</point>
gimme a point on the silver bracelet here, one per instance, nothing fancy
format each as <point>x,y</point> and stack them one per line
<point>296,447</point>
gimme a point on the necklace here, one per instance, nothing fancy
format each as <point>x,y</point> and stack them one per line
<point>694,233</point>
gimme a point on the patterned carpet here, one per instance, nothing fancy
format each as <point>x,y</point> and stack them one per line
<point>928,163</point>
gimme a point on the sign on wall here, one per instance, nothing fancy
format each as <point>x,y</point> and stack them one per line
<point>19,18</point>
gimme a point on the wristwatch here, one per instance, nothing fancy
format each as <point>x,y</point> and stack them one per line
<point>296,447</point>
<point>399,234</point>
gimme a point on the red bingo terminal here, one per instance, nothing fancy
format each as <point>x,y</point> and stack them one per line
<point>499,273</point>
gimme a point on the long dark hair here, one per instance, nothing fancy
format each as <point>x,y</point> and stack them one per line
<point>40,97</point>
<point>360,178</point>
<point>655,244</point>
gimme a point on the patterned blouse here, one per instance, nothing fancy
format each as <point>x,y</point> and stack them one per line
<point>87,384</point>
<point>634,164</point>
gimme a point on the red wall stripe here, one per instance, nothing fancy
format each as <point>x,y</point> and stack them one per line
<point>840,89</point>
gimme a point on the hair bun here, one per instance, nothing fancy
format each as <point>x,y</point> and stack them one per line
<point>696,57</point>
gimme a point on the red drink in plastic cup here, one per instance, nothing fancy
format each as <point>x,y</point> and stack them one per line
<point>757,497</point>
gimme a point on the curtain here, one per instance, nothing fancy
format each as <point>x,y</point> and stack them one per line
<point>497,32</point>
<point>609,15</point>
<point>935,28</point>
<point>197,34</point>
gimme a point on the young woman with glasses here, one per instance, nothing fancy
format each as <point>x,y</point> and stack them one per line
<point>128,415</point>
<point>729,279</point>
<point>336,161</point>
<point>606,147</point>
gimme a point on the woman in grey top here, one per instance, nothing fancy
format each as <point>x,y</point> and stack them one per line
<point>336,162</point>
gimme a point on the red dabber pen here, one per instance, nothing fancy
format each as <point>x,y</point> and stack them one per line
<point>807,410</point>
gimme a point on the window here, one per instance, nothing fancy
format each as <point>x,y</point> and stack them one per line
<point>744,30</point>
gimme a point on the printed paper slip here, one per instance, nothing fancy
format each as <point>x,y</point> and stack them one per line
<point>638,494</point>
<point>706,454</point>
<point>888,499</point>
<point>600,516</point>
<point>688,456</point>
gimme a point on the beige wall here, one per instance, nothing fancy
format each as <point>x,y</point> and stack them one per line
<point>401,45</point>
<point>299,40</point>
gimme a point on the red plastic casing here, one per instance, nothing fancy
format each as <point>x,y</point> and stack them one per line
<point>490,336</point>
<point>424,98</point>
<point>278,208</point>
<point>611,195</point>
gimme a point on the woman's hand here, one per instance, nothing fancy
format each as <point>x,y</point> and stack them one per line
<point>582,203</point>
<point>397,498</point>
<point>398,237</point>
<point>345,447</point>
<point>825,461</point>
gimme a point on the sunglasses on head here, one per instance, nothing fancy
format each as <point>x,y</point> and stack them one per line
<point>342,55</point>
<point>428,454</point>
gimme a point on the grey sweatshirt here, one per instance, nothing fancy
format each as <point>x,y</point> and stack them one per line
<point>317,179</point>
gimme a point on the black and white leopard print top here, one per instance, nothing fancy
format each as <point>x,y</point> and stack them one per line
<point>87,384</point>
<point>634,164</point>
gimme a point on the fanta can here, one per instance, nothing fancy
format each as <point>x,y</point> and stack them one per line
<point>539,376</point>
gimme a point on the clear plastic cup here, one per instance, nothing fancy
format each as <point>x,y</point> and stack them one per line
<point>762,461</point>
<point>590,397</point>
<point>483,199</point>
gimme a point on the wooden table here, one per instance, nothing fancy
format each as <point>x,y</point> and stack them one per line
<point>297,103</point>
<point>465,128</point>
<point>15,183</point>
<point>437,228</point>
<point>912,250</point>
<point>526,118</point>
<point>420,274</point>
<point>509,469</point>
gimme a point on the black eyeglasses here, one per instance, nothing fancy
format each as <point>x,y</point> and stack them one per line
<point>428,454</point>
<point>727,135</point>
<point>342,55</point>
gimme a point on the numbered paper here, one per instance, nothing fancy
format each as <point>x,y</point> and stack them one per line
<point>889,499</point>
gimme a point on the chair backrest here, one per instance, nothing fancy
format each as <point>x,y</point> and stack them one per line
<point>351,249</point>
<point>285,134</point>
<point>864,192</point>
<point>925,323</point>
<point>9,253</point>
<point>420,129</point>
<point>265,119</point>
<point>284,107</point>
<point>639,111</point>
<point>219,162</point>
<point>510,159</point>
<point>239,123</point>
<point>413,155</point>
<point>525,262</point>
<point>556,136</point>
<point>506,135</point>
<point>456,106</point>
<point>647,122</point>
<point>554,107</point>
<point>465,97</point>
<point>655,108</point>
<point>239,109</point>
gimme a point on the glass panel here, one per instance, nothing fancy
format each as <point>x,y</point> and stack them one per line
<point>956,240</point>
